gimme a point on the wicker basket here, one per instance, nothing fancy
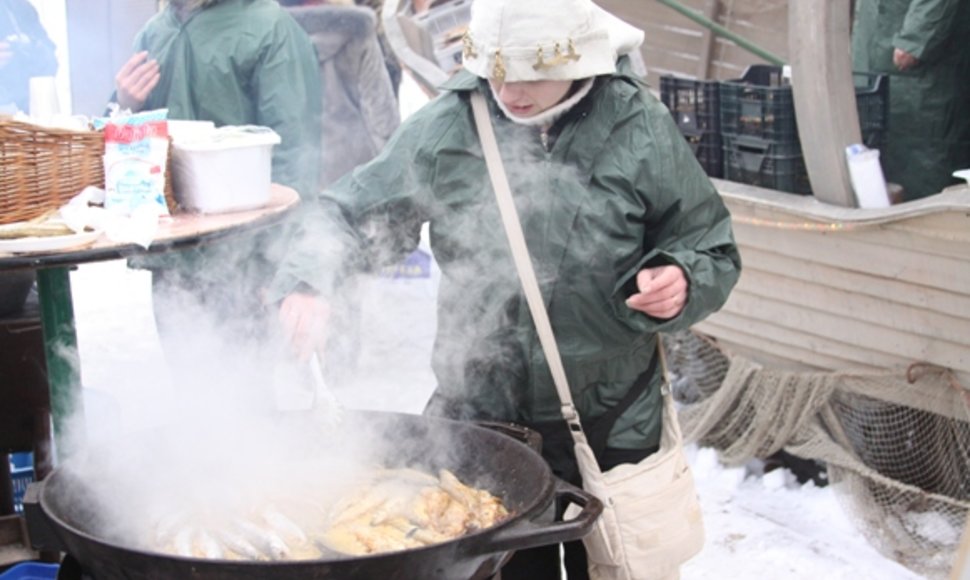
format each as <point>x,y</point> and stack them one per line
<point>42,168</point>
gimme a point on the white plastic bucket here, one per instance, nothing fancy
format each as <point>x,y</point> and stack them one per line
<point>228,169</point>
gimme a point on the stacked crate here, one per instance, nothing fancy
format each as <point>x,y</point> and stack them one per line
<point>872,102</point>
<point>760,135</point>
<point>696,110</point>
<point>752,121</point>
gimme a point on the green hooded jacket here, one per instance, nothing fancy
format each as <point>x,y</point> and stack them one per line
<point>617,190</point>
<point>239,62</point>
<point>929,130</point>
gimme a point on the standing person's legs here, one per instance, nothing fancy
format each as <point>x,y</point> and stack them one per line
<point>542,563</point>
<point>546,562</point>
<point>574,561</point>
<point>211,332</point>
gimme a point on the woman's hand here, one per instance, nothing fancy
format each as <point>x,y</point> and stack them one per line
<point>662,292</point>
<point>303,318</point>
<point>135,81</point>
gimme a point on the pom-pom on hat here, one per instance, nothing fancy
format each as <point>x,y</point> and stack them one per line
<point>533,40</point>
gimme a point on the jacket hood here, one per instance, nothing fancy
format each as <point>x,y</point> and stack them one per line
<point>330,28</point>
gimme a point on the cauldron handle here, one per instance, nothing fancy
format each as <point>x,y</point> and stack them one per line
<point>528,436</point>
<point>531,533</point>
<point>39,529</point>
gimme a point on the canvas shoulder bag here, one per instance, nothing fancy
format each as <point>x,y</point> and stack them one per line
<point>651,521</point>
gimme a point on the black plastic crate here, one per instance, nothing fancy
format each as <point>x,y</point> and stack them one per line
<point>709,150</point>
<point>760,105</point>
<point>694,104</point>
<point>872,101</point>
<point>749,160</point>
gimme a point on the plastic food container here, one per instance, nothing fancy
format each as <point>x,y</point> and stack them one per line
<point>227,169</point>
<point>180,130</point>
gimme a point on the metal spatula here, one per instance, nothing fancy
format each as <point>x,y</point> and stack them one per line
<point>302,388</point>
<point>325,403</point>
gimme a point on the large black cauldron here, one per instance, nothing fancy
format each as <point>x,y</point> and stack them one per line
<point>480,456</point>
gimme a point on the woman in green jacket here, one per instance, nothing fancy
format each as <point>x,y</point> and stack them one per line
<point>628,236</point>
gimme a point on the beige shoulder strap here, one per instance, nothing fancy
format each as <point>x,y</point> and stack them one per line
<point>520,253</point>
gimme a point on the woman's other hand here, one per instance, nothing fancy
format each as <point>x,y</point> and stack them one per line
<point>135,81</point>
<point>662,292</point>
<point>303,318</point>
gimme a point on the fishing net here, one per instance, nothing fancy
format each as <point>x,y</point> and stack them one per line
<point>896,443</point>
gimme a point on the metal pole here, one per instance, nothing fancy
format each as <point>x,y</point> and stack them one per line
<point>60,349</point>
<point>721,31</point>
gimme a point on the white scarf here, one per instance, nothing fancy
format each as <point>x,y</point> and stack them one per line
<point>550,115</point>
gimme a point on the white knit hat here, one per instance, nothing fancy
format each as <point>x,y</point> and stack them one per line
<point>531,40</point>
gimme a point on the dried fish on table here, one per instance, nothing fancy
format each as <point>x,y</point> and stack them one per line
<point>20,230</point>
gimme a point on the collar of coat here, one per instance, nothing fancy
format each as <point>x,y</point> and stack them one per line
<point>549,116</point>
<point>464,81</point>
<point>331,27</point>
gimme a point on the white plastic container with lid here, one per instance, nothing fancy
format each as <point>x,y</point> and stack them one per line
<point>223,170</point>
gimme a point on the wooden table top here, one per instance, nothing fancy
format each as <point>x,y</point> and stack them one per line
<point>179,230</point>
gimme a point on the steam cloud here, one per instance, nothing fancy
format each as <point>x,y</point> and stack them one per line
<point>220,442</point>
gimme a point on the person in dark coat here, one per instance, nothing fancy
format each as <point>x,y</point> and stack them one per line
<point>25,51</point>
<point>360,111</point>
<point>390,60</point>
<point>923,46</point>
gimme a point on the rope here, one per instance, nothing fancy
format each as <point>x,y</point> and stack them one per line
<point>896,443</point>
<point>757,411</point>
<point>918,370</point>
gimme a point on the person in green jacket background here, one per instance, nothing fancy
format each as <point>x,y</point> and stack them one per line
<point>924,45</point>
<point>233,62</point>
<point>628,236</point>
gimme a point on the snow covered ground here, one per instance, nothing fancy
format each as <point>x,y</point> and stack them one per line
<point>757,526</point>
